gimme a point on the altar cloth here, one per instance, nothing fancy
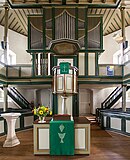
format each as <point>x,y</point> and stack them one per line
<point>62,138</point>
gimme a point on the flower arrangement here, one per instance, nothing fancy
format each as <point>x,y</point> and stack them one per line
<point>42,112</point>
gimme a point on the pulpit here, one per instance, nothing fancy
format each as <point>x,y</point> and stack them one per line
<point>65,83</point>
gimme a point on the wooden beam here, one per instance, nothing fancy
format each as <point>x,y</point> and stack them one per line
<point>103,1</point>
<point>63,2</point>
<point>90,1</point>
<point>37,1</point>
<point>77,1</point>
<point>24,1</point>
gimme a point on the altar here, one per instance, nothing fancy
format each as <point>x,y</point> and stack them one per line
<point>81,136</point>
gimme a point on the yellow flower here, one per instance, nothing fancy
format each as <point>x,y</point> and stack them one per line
<point>46,109</point>
<point>41,112</point>
<point>35,111</point>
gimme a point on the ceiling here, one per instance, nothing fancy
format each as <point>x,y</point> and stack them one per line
<point>20,9</point>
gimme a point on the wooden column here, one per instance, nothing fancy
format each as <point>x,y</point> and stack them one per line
<point>6,35</point>
<point>122,9</point>
<point>124,98</point>
<point>5,105</point>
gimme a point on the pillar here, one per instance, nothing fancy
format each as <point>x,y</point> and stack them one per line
<point>122,9</point>
<point>63,103</point>
<point>6,35</point>
<point>5,105</point>
<point>124,98</point>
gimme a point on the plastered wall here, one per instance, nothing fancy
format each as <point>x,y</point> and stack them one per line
<point>111,46</point>
<point>18,44</point>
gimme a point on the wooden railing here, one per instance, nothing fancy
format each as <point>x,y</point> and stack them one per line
<point>25,70</point>
<point>115,68</point>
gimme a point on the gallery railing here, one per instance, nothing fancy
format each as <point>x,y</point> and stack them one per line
<point>110,70</point>
<point>26,71</point>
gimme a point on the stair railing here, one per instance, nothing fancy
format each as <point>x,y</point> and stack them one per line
<point>109,98</point>
<point>20,95</point>
<point>18,98</point>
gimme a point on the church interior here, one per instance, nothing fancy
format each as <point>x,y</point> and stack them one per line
<point>64,79</point>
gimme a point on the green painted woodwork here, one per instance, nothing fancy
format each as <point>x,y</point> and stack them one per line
<point>108,122</point>
<point>6,71</point>
<point>86,64</point>
<point>55,103</point>
<point>75,105</point>
<point>123,124</point>
<point>120,115</point>
<point>63,2</point>
<point>98,82</point>
<point>33,65</point>
<point>44,29</point>
<point>91,50</point>
<point>122,70</point>
<point>101,33</point>
<point>75,61</point>
<point>39,50</point>
<point>76,23</point>
<point>81,80</point>
<point>55,60</point>
<point>86,29</point>
<point>29,34</point>
<point>53,23</point>
<point>51,62</point>
<point>28,83</point>
<point>20,71</point>
<point>96,65</point>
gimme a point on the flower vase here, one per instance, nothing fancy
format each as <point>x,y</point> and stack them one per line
<point>41,120</point>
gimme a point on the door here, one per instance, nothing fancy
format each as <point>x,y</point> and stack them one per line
<point>84,102</point>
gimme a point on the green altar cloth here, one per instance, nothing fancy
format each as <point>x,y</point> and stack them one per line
<point>62,138</point>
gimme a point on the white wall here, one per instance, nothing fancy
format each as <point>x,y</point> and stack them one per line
<point>18,44</point>
<point>111,46</point>
<point>44,97</point>
<point>99,95</point>
<point>27,93</point>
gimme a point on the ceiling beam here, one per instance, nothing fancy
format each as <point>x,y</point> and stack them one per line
<point>90,1</point>
<point>64,2</point>
<point>77,1</point>
<point>24,1</point>
<point>37,1</point>
<point>103,1</point>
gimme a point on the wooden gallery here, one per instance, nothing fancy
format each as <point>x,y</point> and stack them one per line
<point>64,79</point>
